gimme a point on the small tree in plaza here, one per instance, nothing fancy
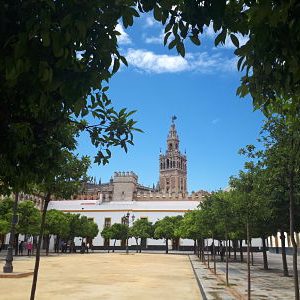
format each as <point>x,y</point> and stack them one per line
<point>166,229</point>
<point>6,206</point>
<point>141,229</point>
<point>106,233</point>
<point>75,227</point>
<point>61,181</point>
<point>282,157</point>
<point>192,227</point>
<point>4,227</point>
<point>88,229</point>
<point>92,230</point>
<point>118,232</point>
<point>56,223</point>
<point>29,220</point>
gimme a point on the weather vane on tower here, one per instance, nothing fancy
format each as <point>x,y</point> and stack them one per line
<point>173,118</point>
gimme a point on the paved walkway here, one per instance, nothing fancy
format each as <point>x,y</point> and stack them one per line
<point>269,284</point>
<point>106,276</point>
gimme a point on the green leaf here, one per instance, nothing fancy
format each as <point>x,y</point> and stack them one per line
<point>195,40</point>
<point>180,48</point>
<point>157,13</point>
<point>221,37</point>
<point>116,65</point>
<point>46,39</point>
<point>235,40</point>
<point>240,62</point>
<point>124,61</point>
<point>166,37</point>
<point>172,44</point>
<point>168,27</point>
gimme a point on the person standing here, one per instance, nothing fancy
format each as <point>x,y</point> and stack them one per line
<point>56,246</point>
<point>212,249</point>
<point>21,248</point>
<point>29,248</point>
<point>222,251</point>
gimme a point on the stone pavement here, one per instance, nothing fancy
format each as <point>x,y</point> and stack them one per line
<point>269,284</point>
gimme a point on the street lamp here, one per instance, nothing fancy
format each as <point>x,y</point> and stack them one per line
<point>127,221</point>
<point>8,267</point>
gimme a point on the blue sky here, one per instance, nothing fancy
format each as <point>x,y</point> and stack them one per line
<point>212,122</point>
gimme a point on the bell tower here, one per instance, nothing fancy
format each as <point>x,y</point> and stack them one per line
<point>173,167</point>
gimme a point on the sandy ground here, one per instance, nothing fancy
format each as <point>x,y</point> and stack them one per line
<point>106,276</point>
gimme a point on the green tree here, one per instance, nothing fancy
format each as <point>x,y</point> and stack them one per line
<point>193,227</point>
<point>118,232</point>
<point>92,230</point>
<point>61,181</point>
<point>141,229</point>
<point>4,227</point>
<point>87,228</point>
<point>29,220</point>
<point>166,229</point>
<point>6,206</point>
<point>44,59</point>
<point>282,156</point>
<point>252,208</point>
<point>56,223</point>
<point>106,233</point>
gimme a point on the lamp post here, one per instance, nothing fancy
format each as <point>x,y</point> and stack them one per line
<point>126,219</point>
<point>8,267</point>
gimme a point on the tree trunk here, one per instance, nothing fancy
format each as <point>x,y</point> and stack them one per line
<point>8,267</point>
<point>137,245</point>
<point>234,244</point>
<point>229,250</point>
<point>264,248</point>
<point>241,251</point>
<point>198,249</point>
<point>114,245</point>
<point>16,242</point>
<point>167,248</point>
<point>226,249</point>
<point>248,262</point>
<point>195,249</point>
<point>251,250</point>
<point>47,244</point>
<point>202,250</point>
<point>207,251</point>
<point>283,254</point>
<point>292,231</point>
<point>38,248</point>
<point>214,257</point>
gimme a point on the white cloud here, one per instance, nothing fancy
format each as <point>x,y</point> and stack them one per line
<point>155,39</point>
<point>150,62</point>
<point>124,38</point>
<point>215,121</point>
<point>150,22</point>
<point>156,63</point>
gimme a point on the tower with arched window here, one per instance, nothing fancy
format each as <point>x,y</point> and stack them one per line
<point>173,166</point>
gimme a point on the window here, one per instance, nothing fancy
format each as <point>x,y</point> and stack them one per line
<point>107,222</point>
